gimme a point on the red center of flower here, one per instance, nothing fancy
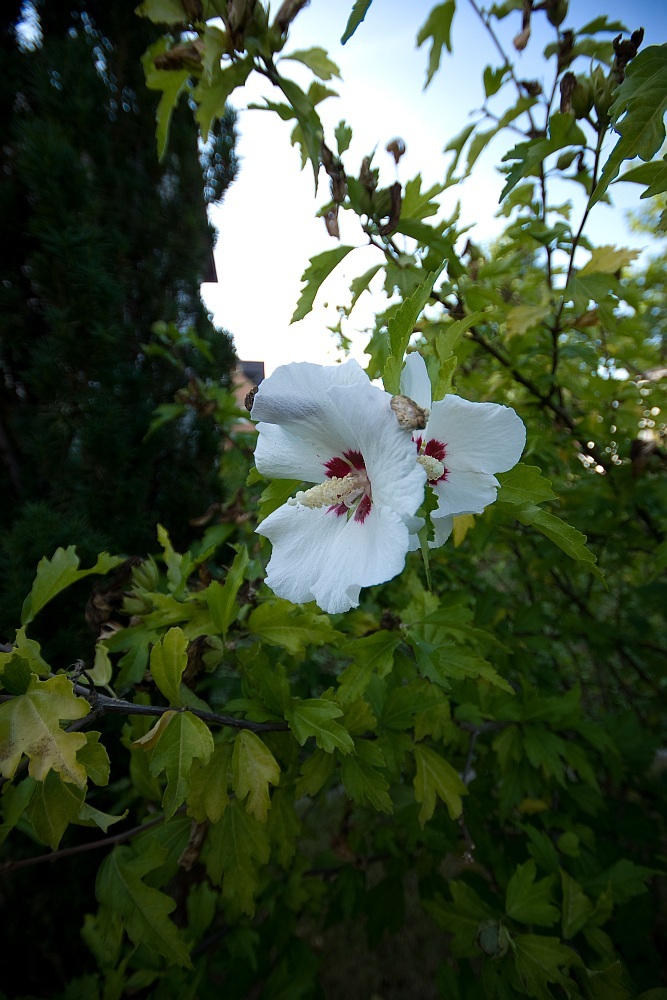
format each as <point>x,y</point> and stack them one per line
<point>338,467</point>
<point>435,449</point>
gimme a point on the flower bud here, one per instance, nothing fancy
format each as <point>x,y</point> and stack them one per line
<point>582,97</point>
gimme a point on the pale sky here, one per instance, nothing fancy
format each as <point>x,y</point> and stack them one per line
<point>267,229</point>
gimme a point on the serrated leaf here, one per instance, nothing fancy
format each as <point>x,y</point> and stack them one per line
<point>94,757</point>
<point>567,538</point>
<point>172,83</point>
<point>145,910</point>
<point>89,816</point>
<point>319,269</point>
<point>30,724</point>
<point>371,654</point>
<point>609,259</point>
<point>254,768</point>
<point>208,798</point>
<point>360,284</point>
<point>53,806</point>
<point>184,739</point>
<point>169,658</point>
<point>461,918</point>
<point>284,827</point>
<point>577,908</point>
<point>213,92</point>
<point>316,717</point>
<point>529,901</point>
<point>539,961</point>
<point>317,60</point>
<point>235,848</point>
<point>637,114</point>
<point>315,772</point>
<point>57,573</point>
<point>30,653</point>
<point>529,156</point>
<point>521,319</point>
<point>493,79</point>
<point>364,784</point>
<point>359,10</point>
<point>280,623</point>
<point>438,28</point>
<point>401,327</point>
<point>652,174</point>
<point>221,600</point>
<point>524,484</point>
<point>436,779</point>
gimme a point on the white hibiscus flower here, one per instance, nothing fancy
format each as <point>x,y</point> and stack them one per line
<point>331,427</point>
<point>462,446</point>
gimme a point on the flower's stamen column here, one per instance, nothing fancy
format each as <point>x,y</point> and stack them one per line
<point>331,492</point>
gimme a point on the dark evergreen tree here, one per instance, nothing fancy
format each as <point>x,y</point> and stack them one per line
<point>100,242</point>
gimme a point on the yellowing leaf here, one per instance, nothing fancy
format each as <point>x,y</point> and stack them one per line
<point>521,319</point>
<point>53,806</point>
<point>149,739</point>
<point>462,525</point>
<point>30,724</point>
<point>254,768</point>
<point>608,260</point>
<point>435,778</point>
<point>169,659</point>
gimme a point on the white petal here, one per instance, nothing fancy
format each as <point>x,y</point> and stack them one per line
<point>296,396</point>
<point>281,455</point>
<point>366,421</point>
<point>465,493</point>
<point>415,382</point>
<point>483,437</point>
<point>320,556</point>
<point>442,529</point>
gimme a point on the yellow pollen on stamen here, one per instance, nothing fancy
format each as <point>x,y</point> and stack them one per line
<point>331,491</point>
<point>434,468</point>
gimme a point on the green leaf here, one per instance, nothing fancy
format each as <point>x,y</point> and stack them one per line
<point>254,768</point>
<point>169,658</point>
<point>461,918</point>
<point>208,796</point>
<point>360,284</point>
<point>529,156</point>
<point>281,623</point>
<point>539,961</point>
<point>315,717</point>
<point>172,83</point>
<point>435,778</point>
<point>315,772</point>
<point>401,327</point>
<point>359,10</point>
<point>30,724</point>
<point>95,759</point>
<point>493,79</point>
<point>343,133</point>
<point>284,827</point>
<point>577,907</point>
<point>567,538</point>
<point>437,27</point>
<point>524,484</point>
<point>308,133</point>
<point>235,848</point>
<point>54,805</point>
<point>652,174</point>
<point>29,652</point>
<point>317,60</point>
<point>162,11</point>
<point>221,600</point>
<point>316,273</point>
<point>89,816</point>
<point>529,901</point>
<point>57,573</point>
<point>212,93</point>
<point>637,114</point>
<point>364,784</point>
<point>145,910</point>
<point>184,739</point>
<point>372,654</point>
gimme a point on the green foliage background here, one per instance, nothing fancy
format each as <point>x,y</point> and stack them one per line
<point>465,775</point>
